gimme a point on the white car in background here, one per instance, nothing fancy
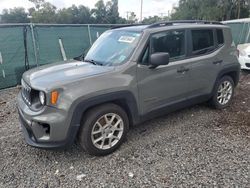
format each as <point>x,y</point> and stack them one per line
<point>244,55</point>
<point>241,36</point>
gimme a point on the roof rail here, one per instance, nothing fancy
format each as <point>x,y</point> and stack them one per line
<point>169,23</point>
<point>126,25</point>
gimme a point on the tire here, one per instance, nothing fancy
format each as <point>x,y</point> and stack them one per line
<point>217,99</point>
<point>107,134</point>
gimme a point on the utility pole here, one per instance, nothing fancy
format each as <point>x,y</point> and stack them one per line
<point>141,10</point>
<point>239,7</point>
<point>162,15</point>
<point>128,12</point>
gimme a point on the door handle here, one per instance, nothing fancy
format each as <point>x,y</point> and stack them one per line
<point>217,62</point>
<point>182,70</point>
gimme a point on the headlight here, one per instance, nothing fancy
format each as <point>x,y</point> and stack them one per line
<point>242,53</point>
<point>42,97</point>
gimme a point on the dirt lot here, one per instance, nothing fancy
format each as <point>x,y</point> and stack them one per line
<point>198,146</point>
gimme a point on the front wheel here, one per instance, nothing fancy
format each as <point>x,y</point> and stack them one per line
<point>103,129</point>
<point>224,91</point>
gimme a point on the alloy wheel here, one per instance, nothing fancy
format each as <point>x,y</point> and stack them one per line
<point>107,131</point>
<point>225,92</point>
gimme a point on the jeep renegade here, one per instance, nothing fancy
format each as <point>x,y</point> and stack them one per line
<point>129,75</point>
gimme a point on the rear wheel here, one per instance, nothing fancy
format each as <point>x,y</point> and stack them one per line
<point>223,93</point>
<point>103,129</point>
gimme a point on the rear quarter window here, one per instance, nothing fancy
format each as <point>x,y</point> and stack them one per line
<point>220,36</point>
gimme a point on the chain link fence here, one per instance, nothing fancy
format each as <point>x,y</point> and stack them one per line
<point>23,46</point>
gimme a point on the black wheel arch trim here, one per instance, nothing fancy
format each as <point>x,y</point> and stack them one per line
<point>235,68</point>
<point>83,105</point>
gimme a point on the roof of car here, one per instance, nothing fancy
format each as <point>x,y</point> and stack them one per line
<point>137,28</point>
<point>141,27</point>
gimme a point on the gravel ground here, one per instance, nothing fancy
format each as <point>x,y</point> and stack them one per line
<point>194,147</point>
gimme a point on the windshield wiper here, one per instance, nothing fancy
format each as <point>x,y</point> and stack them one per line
<point>93,62</point>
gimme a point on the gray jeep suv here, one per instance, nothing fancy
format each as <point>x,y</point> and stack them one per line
<point>129,75</point>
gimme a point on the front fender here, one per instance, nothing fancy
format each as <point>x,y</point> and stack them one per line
<point>82,105</point>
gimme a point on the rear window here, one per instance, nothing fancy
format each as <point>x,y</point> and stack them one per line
<point>220,37</point>
<point>203,41</point>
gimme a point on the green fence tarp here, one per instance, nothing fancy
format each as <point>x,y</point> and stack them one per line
<point>240,32</point>
<point>12,52</point>
<point>75,39</point>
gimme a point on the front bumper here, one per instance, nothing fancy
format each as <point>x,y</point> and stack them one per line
<point>61,131</point>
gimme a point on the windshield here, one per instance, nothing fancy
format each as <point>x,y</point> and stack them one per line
<point>113,47</point>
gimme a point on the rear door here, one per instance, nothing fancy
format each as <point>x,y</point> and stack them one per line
<point>204,54</point>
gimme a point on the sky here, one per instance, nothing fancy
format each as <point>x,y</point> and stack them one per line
<point>150,7</point>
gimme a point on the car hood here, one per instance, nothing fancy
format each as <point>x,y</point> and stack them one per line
<point>57,74</point>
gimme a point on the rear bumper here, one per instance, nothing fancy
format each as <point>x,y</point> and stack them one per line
<point>60,135</point>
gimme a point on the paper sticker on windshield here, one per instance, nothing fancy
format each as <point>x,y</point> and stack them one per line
<point>127,39</point>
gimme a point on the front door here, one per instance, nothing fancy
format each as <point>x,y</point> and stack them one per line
<point>165,84</point>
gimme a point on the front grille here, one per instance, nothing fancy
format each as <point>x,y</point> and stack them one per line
<point>248,65</point>
<point>26,93</point>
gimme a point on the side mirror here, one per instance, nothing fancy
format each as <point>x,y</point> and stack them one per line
<point>159,58</point>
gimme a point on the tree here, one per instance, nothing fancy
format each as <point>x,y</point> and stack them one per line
<point>227,7</point>
<point>84,15</point>
<point>45,14</point>
<point>15,15</point>
<point>38,3</point>
<point>132,18</point>
<point>112,11</point>
<point>65,16</point>
<point>31,10</point>
<point>107,13</point>
<point>100,12</point>
<point>152,19</point>
<point>211,9</point>
<point>75,15</point>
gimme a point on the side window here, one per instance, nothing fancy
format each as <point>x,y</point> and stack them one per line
<point>220,37</point>
<point>172,42</point>
<point>203,41</point>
